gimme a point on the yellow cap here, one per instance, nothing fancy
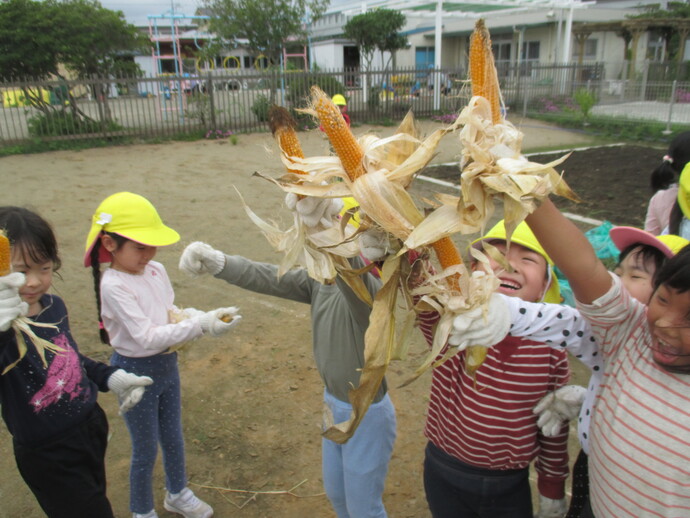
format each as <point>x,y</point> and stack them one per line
<point>669,245</point>
<point>131,216</point>
<point>684,191</point>
<point>524,236</point>
<point>339,100</point>
<point>348,203</point>
<point>673,242</point>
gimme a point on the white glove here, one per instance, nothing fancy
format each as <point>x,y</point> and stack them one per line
<point>128,387</point>
<point>471,328</point>
<point>199,258</point>
<point>212,324</point>
<point>11,305</point>
<point>374,244</point>
<point>557,407</point>
<point>313,210</point>
<point>549,508</point>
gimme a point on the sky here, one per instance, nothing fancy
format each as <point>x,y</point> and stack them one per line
<point>137,11</point>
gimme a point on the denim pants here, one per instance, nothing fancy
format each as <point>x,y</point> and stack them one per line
<point>354,473</point>
<point>455,489</point>
<point>157,418</point>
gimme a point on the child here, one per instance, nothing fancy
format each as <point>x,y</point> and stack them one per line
<point>135,302</point>
<point>341,103</point>
<point>353,473</point>
<point>481,429</point>
<point>663,206</point>
<point>59,432</point>
<point>638,452</point>
<point>642,255</point>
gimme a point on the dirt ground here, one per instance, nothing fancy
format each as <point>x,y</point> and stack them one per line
<point>252,398</point>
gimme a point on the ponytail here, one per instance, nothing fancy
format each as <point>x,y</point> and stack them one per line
<point>663,176</point>
<point>96,271</point>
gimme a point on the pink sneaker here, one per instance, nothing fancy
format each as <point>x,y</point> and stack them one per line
<point>187,504</point>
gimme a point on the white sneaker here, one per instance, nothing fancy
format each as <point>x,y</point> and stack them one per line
<point>187,504</point>
<point>150,514</point>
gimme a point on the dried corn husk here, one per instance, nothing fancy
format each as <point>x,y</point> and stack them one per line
<point>23,324</point>
<point>493,168</point>
<point>380,340</point>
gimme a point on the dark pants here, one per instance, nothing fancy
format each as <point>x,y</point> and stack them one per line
<point>455,489</point>
<point>580,487</point>
<point>67,474</point>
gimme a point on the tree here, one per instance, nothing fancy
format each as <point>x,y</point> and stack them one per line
<point>378,29</point>
<point>36,37</point>
<point>266,24</point>
<point>27,46</point>
<point>92,39</point>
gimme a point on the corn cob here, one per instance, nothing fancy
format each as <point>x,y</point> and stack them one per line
<point>484,81</point>
<point>483,70</point>
<point>351,155</point>
<point>338,133</point>
<point>283,126</point>
<point>5,258</point>
<point>448,255</point>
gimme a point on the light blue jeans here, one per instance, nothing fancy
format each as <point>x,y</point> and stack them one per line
<point>354,473</point>
<point>157,418</point>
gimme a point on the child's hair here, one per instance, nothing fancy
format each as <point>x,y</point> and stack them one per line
<point>673,162</point>
<point>646,254</point>
<point>676,272</point>
<point>30,234</point>
<point>96,272</point>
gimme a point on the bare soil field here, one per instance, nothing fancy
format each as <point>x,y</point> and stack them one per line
<point>252,398</point>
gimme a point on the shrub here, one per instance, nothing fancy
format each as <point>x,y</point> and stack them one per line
<point>59,123</point>
<point>260,107</point>
<point>299,85</point>
<point>585,100</point>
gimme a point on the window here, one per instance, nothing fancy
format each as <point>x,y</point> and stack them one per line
<point>590,50</point>
<point>530,51</point>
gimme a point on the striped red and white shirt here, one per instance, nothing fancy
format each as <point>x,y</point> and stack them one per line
<point>488,421</point>
<point>640,445</point>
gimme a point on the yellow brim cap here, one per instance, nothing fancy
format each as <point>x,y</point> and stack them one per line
<point>684,191</point>
<point>131,216</point>
<point>524,236</point>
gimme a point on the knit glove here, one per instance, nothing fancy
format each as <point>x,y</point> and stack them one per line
<point>128,387</point>
<point>199,258</point>
<point>374,244</point>
<point>11,304</point>
<point>549,508</point>
<point>313,210</point>
<point>558,407</point>
<point>471,328</point>
<point>212,323</point>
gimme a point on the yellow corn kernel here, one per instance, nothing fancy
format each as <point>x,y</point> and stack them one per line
<point>283,126</point>
<point>338,133</point>
<point>5,258</point>
<point>483,74</point>
<point>448,255</point>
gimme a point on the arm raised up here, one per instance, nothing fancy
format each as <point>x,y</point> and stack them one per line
<point>571,252</point>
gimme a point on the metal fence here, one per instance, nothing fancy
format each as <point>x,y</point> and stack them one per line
<point>219,103</point>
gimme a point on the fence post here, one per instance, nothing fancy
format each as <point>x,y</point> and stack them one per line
<point>625,79</point>
<point>211,100</point>
<point>645,77</point>
<point>524,89</point>
<point>667,131</point>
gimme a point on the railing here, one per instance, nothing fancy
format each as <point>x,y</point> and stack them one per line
<point>233,101</point>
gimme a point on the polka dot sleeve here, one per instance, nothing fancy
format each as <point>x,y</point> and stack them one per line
<point>556,325</point>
